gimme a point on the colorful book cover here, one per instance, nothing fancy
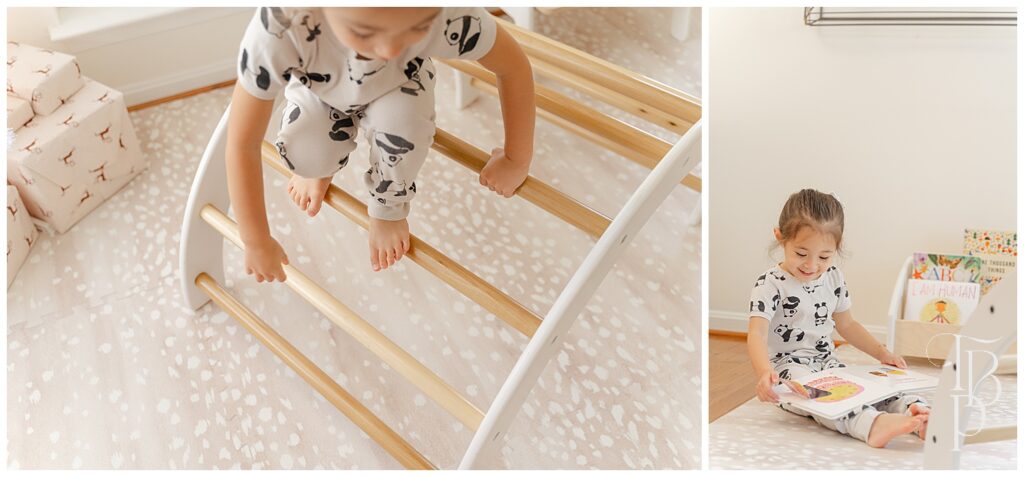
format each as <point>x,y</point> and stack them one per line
<point>949,303</point>
<point>946,267</point>
<point>849,388</point>
<point>903,379</point>
<point>997,251</point>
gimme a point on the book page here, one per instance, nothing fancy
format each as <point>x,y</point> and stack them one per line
<point>845,393</point>
<point>851,387</point>
<point>900,380</point>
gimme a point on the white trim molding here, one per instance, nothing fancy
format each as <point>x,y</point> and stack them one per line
<point>722,320</point>
<point>146,53</point>
<point>81,29</point>
<point>172,84</point>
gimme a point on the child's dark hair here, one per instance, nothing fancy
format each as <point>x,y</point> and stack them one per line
<point>810,208</point>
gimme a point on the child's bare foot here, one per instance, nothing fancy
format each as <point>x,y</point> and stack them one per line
<point>888,425</point>
<point>307,193</point>
<point>918,409</point>
<point>389,241</point>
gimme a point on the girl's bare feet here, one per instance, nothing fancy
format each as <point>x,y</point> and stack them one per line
<point>888,425</point>
<point>307,193</point>
<point>389,242</point>
<point>918,409</point>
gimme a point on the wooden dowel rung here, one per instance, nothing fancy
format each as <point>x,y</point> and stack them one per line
<point>692,181</point>
<point>607,74</point>
<point>451,272</point>
<point>626,139</point>
<point>418,374</point>
<point>383,435</point>
<point>533,190</point>
<point>588,123</point>
<point>655,114</point>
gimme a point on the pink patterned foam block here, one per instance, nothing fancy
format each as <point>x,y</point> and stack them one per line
<point>67,163</point>
<point>19,112</point>
<point>44,78</point>
<point>21,233</point>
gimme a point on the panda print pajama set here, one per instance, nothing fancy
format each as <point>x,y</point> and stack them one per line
<point>799,338</point>
<point>330,91</point>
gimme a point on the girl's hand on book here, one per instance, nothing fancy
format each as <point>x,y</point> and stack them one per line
<point>765,385</point>
<point>893,359</point>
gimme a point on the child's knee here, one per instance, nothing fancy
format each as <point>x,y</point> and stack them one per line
<point>400,149</point>
<point>316,147</point>
<point>315,139</point>
<point>306,161</point>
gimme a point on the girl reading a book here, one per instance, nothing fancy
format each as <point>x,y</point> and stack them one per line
<point>796,305</point>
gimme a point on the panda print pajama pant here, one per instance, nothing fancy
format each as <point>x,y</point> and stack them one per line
<point>857,423</point>
<point>316,139</point>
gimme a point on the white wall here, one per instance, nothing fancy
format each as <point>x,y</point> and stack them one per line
<point>913,128</point>
<point>147,58</point>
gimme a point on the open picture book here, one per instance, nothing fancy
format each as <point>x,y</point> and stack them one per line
<point>833,393</point>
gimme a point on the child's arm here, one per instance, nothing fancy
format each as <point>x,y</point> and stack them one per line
<point>246,126</point>
<point>858,336</point>
<point>757,348</point>
<point>508,167</point>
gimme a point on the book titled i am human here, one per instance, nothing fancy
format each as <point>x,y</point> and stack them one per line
<point>948,303</point>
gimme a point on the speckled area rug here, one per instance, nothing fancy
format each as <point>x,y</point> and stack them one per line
<point>759,436</point>
<point>107,368</point>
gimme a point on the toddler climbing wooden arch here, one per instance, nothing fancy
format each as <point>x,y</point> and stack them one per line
<point>206,225</point>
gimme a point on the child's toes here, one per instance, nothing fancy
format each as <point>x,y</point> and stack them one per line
<point>374,260</point>
<point>915,424</point>
<point>314,207</point>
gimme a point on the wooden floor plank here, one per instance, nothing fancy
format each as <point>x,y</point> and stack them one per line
<point>731,379</point>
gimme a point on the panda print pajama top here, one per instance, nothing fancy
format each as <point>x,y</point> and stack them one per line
<point>799,339</point>
<point>330,92</point>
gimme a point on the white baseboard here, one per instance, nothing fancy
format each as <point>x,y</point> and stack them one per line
<point>721,320</point>
<point>170,85</point>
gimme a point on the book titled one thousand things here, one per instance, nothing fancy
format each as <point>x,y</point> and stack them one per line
<point>997,250</point>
